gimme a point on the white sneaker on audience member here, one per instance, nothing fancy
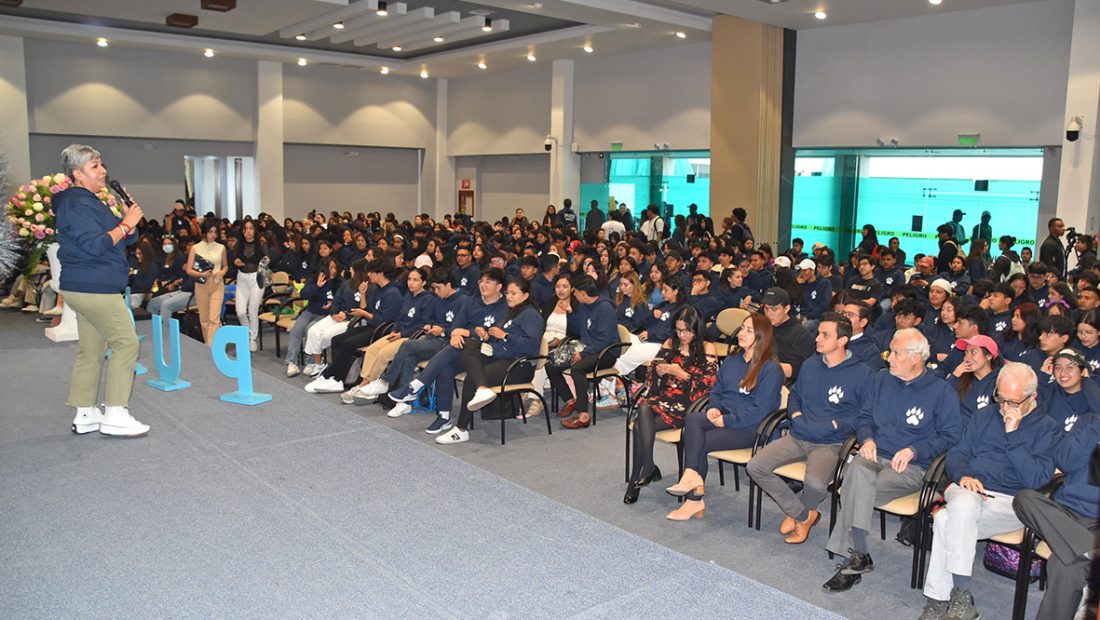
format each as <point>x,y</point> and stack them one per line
<point>253,345</point>
<point>377,387</point>
<point>454,436</point>
<point>292,370</point>
<point>318,369</point>
<point>325,385</point>
<point>11,301</point>
<point>87,420</point>
<point>349,397</point>
<point>483,396</point>
<point>54,311</point>
<point>399,410</point>
<point>30,308</point>
<point>118,422</point>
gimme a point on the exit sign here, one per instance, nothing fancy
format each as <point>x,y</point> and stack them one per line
<point>969,139</point>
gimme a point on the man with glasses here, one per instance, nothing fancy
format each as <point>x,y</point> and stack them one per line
<point>998,456</point>
<point>467,272</point>
<point>706,302</point>
<point>909,417</point>
<point>793,344</point>
<point>824,409</point>
<point>862,343</point>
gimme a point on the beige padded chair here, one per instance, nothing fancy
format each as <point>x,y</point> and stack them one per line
<point>728,322</point>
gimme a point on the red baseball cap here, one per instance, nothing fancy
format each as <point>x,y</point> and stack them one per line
<point>980,340</point>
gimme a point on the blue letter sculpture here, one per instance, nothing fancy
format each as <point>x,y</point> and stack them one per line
<point>240,368</point>
<point>169,371</point>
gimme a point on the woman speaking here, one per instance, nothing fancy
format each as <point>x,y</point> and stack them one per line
<point>94,274</point>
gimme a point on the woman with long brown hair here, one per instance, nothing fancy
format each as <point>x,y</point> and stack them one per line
<point>747,389</point>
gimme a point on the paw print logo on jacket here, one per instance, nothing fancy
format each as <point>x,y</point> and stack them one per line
<point>412,312</point>
<point>1069,422</point>
<point>358,297</point>
<point>890,281</point>
<point>463,281</point>
<point>914,415</point>
<point>328,295</point>
<point>836,393</point>
<point>1000,326</point>
<point>450,316</point>
<point>378,304</point>
<point>743,390</point>
<point>506,325</point>
<point>1094,365</point>
<point>813,295</point>
<point>588,324</point>
<point>488,321</point>
<point>983,402</point>
<point>629,312</point>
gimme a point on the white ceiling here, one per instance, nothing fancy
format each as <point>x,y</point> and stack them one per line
<point>550,29</point>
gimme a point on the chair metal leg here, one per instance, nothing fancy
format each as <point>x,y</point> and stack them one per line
<point>833,507</point>
<point>752,497</point>
<point>1023,576</point>
<point>595,398</point>
<point>680,459</point>
<point>882,521</point>
<point>759,501</point>
<point>721,474</point>
<point>627,474</point>
<point>278,348</point>
<point>736,480</point>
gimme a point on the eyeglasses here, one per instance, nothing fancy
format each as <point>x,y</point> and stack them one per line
<point>1010,404</point>
<point>685,332</point>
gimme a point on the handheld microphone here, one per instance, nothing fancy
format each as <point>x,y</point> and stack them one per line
<point>117,187</point>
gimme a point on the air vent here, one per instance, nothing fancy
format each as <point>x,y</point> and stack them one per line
<point>219,5</point>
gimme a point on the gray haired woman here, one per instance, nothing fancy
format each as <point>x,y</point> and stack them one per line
<point>92,249</point>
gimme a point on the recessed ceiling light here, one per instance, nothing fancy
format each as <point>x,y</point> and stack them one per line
<point>935,2</point>
<point>382,12</point>
<point>338,25</point>
<point>300,37</point>
<point>681,35</point>
<point>488,27</point>
<point>101,42</point>
<point>588,49</point>
<point>821,15</point>
<point>438,39</point>
<point>384,70</point>
<point>302,62</point>
<point>396,48</point>
<point>209,53</point>
<point>482,65</point>
<point>531,58</point>
<point>424,73</point>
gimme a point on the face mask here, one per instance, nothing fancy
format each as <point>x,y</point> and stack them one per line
<point>168,248</point>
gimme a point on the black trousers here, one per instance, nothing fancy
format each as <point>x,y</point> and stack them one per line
<point>646,426</point>
<point>345,348</point>
<point>485,371</point>
<point>578,371</point>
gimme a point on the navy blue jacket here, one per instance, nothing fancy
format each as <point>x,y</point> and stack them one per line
<point>731,297</point>
<point>922,414</point>
<point>660,330</point>
<point>978,398</point>
<point>760,281</point>
<point>1072,456</point>
<point>708,305</point>
<point>1092,356</point>
<point>594,324</point>
<point>90,261</point>
<point>384,303</point>
<point>867,350</point>
<point>816,297</point>
<point>477,313</point>
<point>170,272</point>
<point>1067,409</point>
<point>634,318</point>
<point>523,335</point>
<point>999,325</point>
<point>825,395</point>
<point>743,408</point>
<point>415,312</point>
<point>466,279</point>
<point>891,278</point>
<point>142,281</point>
<point>542,291</point>
<point>1005,462</point>
<point>446,311</point>
<point>318,296</point>
<point>346,298</point>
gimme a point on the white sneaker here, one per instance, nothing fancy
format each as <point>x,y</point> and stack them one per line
<point>399,410</point>
<point>54,311</point>
<point>325,385</point>
<point>292,370</point>
<point>87,420</point>
<point>349,397</point>
<point>30,308</point>
<point>454,436</point>
<point>483,396</point>
<point>253,346</point>
<point>118,422</point>
<point>10,301</point>
<point>308,369</point>
<point>377,387</point>
<point>318,369</point>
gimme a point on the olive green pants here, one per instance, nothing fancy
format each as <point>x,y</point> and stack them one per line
<point>104,321</point>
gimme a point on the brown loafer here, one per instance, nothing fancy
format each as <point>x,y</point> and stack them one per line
<point>567,409</point>
<point>787,526</point>
<point>575,423</point>
<point>802,529</point>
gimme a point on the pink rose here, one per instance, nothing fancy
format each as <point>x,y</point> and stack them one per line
<point>49,231</point>
<point>46,199</point>
<point>39,234</point>
<point>55,188</point>
<point>17,203</point>
<point>38,217</point>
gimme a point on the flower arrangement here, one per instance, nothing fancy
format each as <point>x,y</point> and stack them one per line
<point>30,211</point>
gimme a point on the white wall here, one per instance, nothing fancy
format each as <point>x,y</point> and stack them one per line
<point>504,182</point>
<point>153,170</point>
<point>325,178</point>
<point>505,112</point>
<point>639,98</point>
<point>998,71</point>
<point>87,90</point>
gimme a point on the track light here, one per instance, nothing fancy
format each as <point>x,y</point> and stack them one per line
<point>488,27</point>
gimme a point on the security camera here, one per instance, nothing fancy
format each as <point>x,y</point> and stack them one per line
<point>1073,129</point>
<point>548,144</point>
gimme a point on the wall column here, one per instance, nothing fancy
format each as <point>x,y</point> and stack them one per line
<point>15,142</point>
<point>746,122</point>
<point>565,165</point>
<point>269,139</point>
<point>443,165</point>
<point>1079,180</point>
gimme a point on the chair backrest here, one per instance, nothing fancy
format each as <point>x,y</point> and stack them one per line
<point>783,394</point>
<point>280,277</point>
<point>624,334</point>
<point>730,320</point>
<point>544,350</point>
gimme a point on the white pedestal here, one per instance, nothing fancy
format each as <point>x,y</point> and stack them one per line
<point>66,330</point>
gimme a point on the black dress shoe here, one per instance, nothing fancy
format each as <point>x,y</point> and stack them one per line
<point>849,573</point>
<point>654,476</point>
<point>632,491</point>
<point>841,582</point>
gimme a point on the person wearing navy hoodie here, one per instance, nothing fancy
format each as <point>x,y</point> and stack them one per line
<point>975,378</point>
<point>378,306</point>
<point>747,389</point>
<point>416,306</point>
<point>997,457</point>
<point>478,316</point>
<point>92,250</point>
<point>909,418</point>
<point>487,359</point>
<point>319,291</point>
<point>862,344</point>
<point>467,271</point>
<point>1072,395</point>
<point>823,407</point>
<point>1069,521</point>
<point>592,321</point>
<point>817,293</point>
